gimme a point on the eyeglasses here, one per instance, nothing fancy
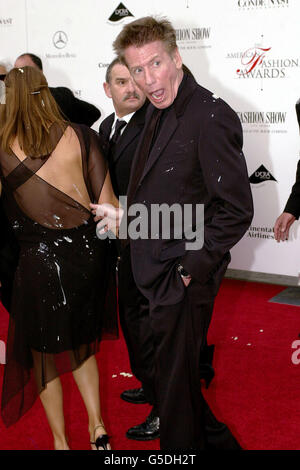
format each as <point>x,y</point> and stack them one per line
<point>2,76</point>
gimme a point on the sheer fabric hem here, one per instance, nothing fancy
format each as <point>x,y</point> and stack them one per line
<point>23,385</point>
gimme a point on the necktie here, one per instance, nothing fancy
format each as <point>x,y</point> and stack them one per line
<point>118,127</point>
<point>115,137</point>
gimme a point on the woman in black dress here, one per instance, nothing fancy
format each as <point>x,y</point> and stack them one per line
<point>50,172</point>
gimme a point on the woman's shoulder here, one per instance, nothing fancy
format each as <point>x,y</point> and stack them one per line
<point>88,137</point>
<point>83,130</point>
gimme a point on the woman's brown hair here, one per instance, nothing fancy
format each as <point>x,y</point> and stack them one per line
<point>29,112</point>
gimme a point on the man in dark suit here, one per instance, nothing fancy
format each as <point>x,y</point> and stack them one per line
<point>75,110</point>
<point>190,152</point>
<point>130,108</point>
<point>292,209</point>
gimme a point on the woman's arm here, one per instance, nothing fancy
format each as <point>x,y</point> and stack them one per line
<point>107,194</point>
<point>108,210</point>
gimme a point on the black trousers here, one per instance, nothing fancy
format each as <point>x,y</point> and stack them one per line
<point>135,323</point>
<point>180,332</point>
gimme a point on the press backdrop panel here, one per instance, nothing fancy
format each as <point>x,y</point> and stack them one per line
<point>258,38</point>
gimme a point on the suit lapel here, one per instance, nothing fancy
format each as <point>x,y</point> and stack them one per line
<point>133,128</point>
<point>170,123</point>
<point>130,132</point>
<point>106,125</point>
<point>168,128</point>
<point>166,132</point>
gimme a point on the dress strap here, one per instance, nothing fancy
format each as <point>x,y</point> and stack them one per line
<point>18,176</point>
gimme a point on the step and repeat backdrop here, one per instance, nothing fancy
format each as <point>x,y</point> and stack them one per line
<point>246,51</point>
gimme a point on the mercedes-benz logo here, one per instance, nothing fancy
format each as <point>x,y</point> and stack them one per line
<point>60,39</point>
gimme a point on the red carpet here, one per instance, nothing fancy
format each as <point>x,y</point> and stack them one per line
<point>255,391</point>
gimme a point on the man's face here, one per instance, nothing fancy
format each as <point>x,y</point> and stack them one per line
<point>157,73</point>
<point>126,96</point>
<point>24,61</point>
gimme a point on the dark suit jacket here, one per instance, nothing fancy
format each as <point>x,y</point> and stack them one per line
<point>75,110</point>
<point>120,163</point>
<point>293,203</point>
<point>196,159</point>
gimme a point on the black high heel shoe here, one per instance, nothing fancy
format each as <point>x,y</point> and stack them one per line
<point>102,441</point>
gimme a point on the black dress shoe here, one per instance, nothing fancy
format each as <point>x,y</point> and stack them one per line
<point>134,395</point>
<point>146,431</point>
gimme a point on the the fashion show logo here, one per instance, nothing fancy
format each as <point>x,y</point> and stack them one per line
<point>261,117</point>
<point>119,14</point>
<point>258,62</point>
<point>261,175</point>
<point>258,4</point>
<point>193,38</point>
<point>263,121</point>
<point>60,39</point>
<point>251,59</point>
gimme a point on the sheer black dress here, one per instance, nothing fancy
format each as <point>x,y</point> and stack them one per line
<point>61,303</point>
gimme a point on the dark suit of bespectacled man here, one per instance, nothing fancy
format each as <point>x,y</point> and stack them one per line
<point>74,110</point>
<point>120,132</point>
<point>190,152</point>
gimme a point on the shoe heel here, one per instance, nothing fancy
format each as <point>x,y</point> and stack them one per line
<point>102,442</point>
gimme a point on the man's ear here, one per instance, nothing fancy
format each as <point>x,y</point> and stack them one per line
<point>177,58</point>
<point>106,87</point>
